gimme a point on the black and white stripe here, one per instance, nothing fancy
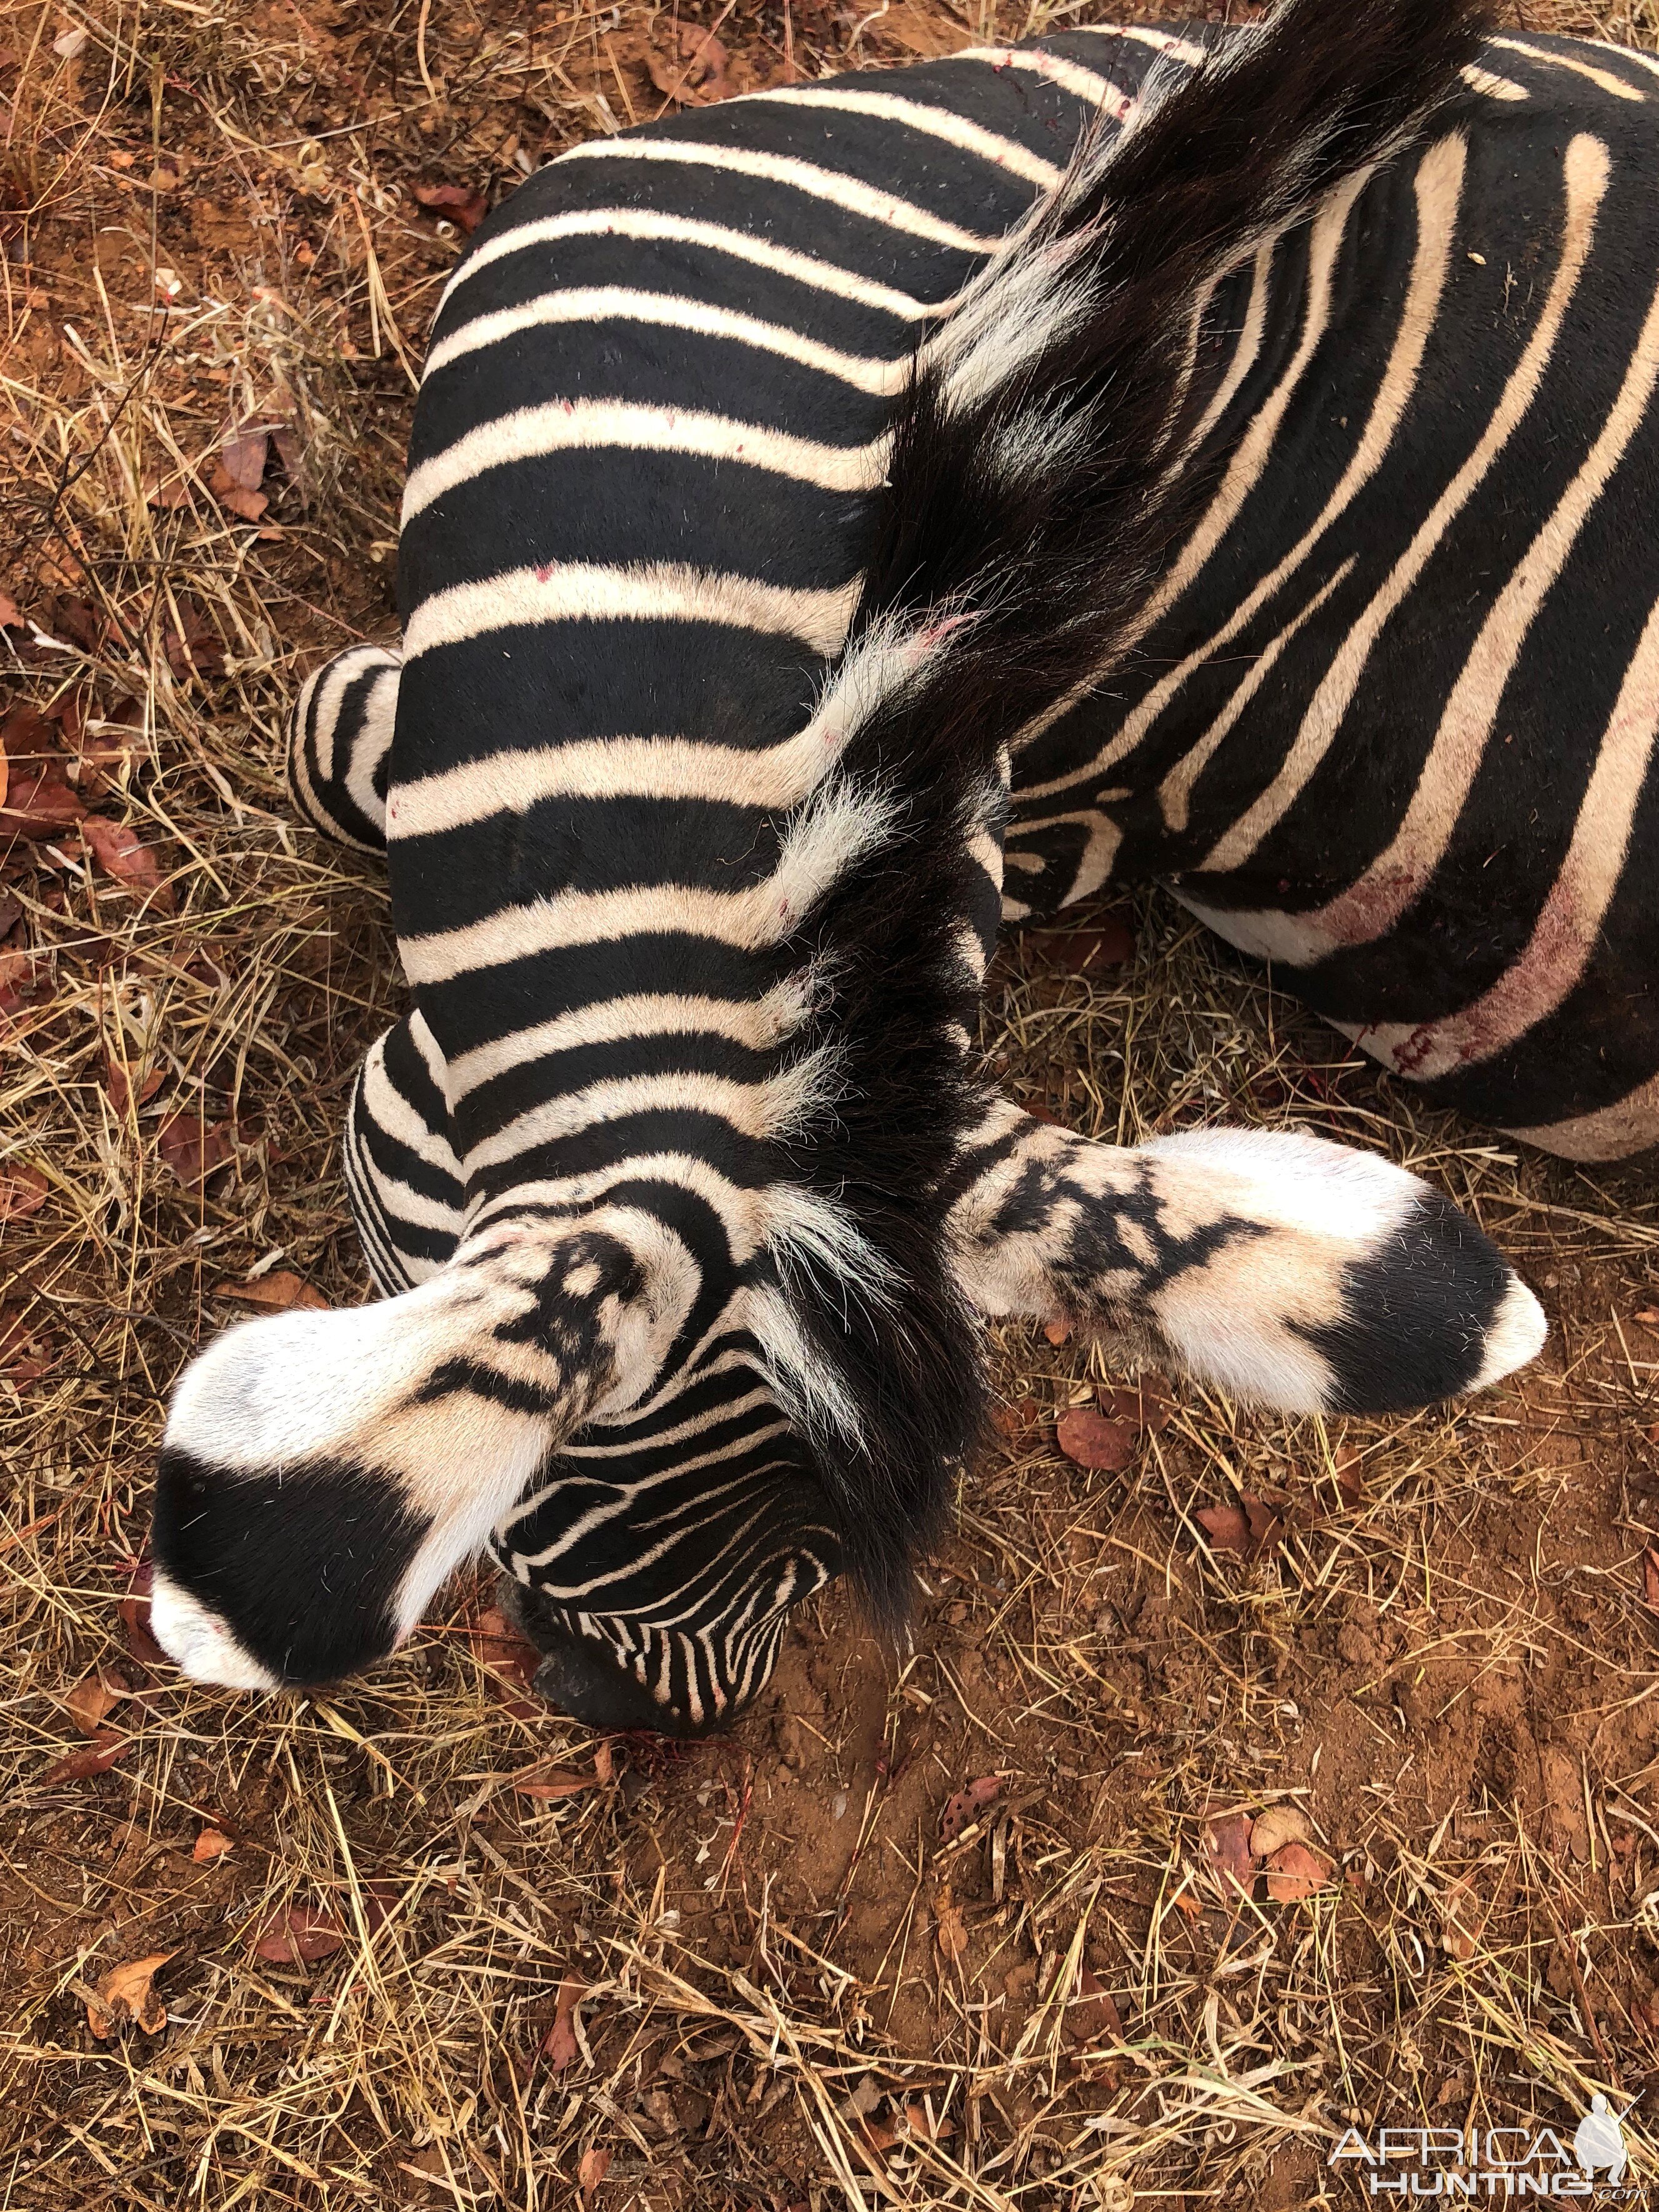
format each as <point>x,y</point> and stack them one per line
<point>723,625</point>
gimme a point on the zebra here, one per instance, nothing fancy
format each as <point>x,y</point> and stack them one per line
<point>699,766</point>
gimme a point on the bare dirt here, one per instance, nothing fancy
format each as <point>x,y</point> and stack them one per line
<point>978,1923</point>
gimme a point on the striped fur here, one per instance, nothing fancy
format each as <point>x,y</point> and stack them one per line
<point>696,811</point>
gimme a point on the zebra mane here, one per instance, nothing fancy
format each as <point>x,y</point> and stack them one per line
<point>1030,502</point>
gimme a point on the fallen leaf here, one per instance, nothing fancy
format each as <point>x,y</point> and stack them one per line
<point>1092,2015</point>
<point>1295,1872</point>
<point>26,1346</point>
<point>604,1765</point>
<point>1057,1331</point>
<point>118,1081</point>
<point>1650,1577</point>
<point>558,2045</point>
<point>95,1758</point>
<point>211,1844</point>
<point>69,43</point>
<point>88,1701</point>
<point>192,1152</point>
<point>196,649</point>
<point>551,1783</point>
<point>249,505</point>
<point>125,1994</point>
<point>120,853</point>
<point>1090,1439</point>
<point>135,1612</point>
<point>166,487</point>
<point>591,2170</point>
<point>1250,1527</point>
<point>968,1804</point>
<point>919,31</point>
<point>1226,1846</point>
<point>243,455</point>
<point>380,1899</point>
<point>10,618</point>
<point>694,73</point>
<point>1109,943</point>
<point>949,1928</point>
<point>511,1662</point>
<point>1038,1112</point>
<point>1462,1915</point>
<point>1279,1825</point>
<point>1228,1527</point>
<point>1017,1421</point>
<point>103,744</point>
<point>40,806</point>
<point>1649,1316</point>
<point>463,205</point>
<point>279,1291</point>
<point>1192,1907</point>
<point>1143,1404</point>
<point>72,618</point>
<point>915,2119</point>
<point>22,1190</point>
<point>301,1936</point>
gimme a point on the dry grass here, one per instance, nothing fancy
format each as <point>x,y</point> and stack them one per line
<point>1444,1657</point>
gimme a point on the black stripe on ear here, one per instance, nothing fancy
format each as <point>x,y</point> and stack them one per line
<point>303,1567</point>
<point>1417,1314</point>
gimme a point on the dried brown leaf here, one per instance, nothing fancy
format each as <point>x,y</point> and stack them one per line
<point>98,1757</point>
<point>550,1782</point>
<point>1092,2015</point>
<point>558,2045</point>
<point>1090,1439</point>
<point>462,204</point>
<point>40,806</point>
<point>1294,1873</point>
<point>301,1936</point>
<point>949,1928</point>
<point>125,1996</point>
<point>89,1700</point>
<point>591,2170</point>
<point>968,1804</point>
<point>1109,943</point>
<point>1650,1577</point>
<point>1279,1825</point>
<point>279,1291</point>
<point>121,854</point>
<point>243,455</point>
<point>22,1190</point>
<point>210,1844</point>
<point>1226,1846</point>
<point>195,1152</point>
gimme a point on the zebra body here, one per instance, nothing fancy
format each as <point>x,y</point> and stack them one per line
<point>679,1176</point>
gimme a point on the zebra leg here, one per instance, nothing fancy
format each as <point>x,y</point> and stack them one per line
<point>407,1191</point>
<point>340,745</point>
<point>1271,1264</point>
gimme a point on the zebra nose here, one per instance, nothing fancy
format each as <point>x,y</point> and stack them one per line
<point>592,1689</point>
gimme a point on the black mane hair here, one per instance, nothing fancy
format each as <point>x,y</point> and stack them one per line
<point>1031,503</point>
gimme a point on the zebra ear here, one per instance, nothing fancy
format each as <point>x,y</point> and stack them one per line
<point>322,1473</point>
<point>1271,1264</point>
